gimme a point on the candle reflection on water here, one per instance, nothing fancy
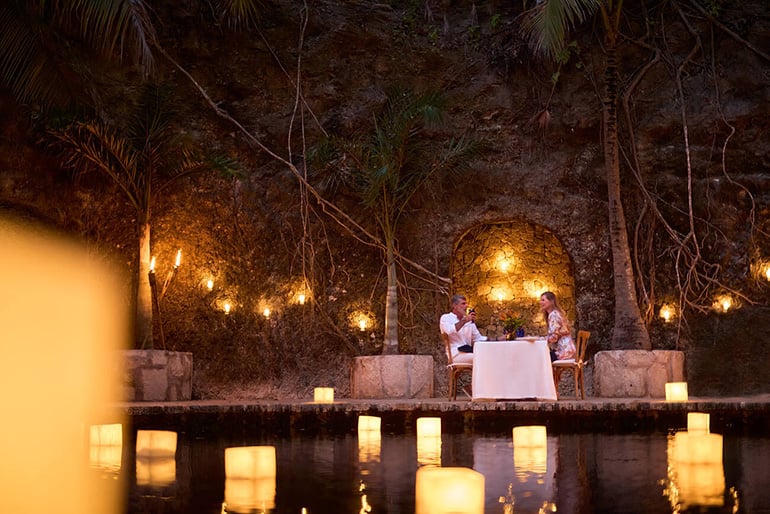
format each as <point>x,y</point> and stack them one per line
<point>695,470</point>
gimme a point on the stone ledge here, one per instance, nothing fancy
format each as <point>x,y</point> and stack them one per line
<point>392,376</point>
<point>636,373</point>
<point>157,375</point>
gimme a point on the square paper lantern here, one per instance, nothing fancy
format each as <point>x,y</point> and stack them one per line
<point>696,468</point>
<point>698,422</point>
<point>676,391</point>
<point>323,395</point>
<point>250,478</point>
<point>106,447</point>
<point>449,490</point>
<point>369,439</point>
<point>530,449</point>
<point>155,458</point>
<point>429,441</point>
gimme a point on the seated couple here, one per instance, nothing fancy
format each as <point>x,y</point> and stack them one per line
<point>460,327</point>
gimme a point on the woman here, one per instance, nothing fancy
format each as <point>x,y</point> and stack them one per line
<point>559,337</point>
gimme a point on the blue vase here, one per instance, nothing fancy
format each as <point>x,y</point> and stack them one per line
<point>520,332</point>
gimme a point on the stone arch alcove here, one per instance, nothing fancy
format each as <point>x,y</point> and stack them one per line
<point>505,267</point>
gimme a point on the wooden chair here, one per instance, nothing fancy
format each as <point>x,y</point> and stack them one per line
<point>455,369</point>
<point>575,365</point>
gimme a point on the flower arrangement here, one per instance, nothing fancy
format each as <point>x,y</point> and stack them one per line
<point>512,323</point>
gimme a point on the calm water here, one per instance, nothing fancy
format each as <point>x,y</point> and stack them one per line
<point>582,473</point>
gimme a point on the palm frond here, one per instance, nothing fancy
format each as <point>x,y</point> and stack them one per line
<point>548,23</point>
<point>26,66</point>
<point>119,27</point>
<point>239,14</point>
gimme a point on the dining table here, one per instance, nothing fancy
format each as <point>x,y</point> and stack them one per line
<point>512,370</point>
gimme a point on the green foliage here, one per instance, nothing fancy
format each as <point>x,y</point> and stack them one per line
<point>494,22</point>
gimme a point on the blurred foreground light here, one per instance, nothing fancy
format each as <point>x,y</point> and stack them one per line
<point>62,320</point>
<point>449,490</point>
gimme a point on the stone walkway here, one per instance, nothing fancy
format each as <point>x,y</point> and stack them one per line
<point>729,415</point>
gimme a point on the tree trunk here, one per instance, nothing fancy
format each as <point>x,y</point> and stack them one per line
<point>143,293</point>
<point>629,331</point>
<point>390,344</point>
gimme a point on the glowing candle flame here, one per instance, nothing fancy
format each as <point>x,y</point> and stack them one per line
<point>726,303</point>
<point>302,299</point>
<point>178,258</point>
<point>210,285</point>
<point>362,324</point>
<point>266,312</point>
<point>152,265</point>
<point>666,313</point>
<point>227,307</point>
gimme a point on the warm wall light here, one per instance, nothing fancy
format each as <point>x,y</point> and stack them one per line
<point>301,299</point>
<point>666,312</point>
<point>676,391</point>
<point>266,312</point>
<point>698,422</point>
<point>323,395</point>
<point>209,284</point>
<point>362,324</point>
<point>429,441</point>
<point>178,260</point>
<point>723,303</point>
<point>227,307</point>
<point>449,490</point>
<point>767,271</point>
<point>155,457</point>
<point>250,479</point>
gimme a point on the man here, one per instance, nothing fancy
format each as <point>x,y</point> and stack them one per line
<point>460,327</point>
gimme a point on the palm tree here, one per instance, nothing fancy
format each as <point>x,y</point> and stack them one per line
<point>142,159</point>
<point>390,166</point>
<point>547,25</point>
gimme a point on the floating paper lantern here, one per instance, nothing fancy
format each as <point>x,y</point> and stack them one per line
<point>530,449</point>
<point>676,391</point>
<point>698,422</point>
<point>155,458</point>
<point>323,395</point>
<point>250,478</point>
<point>429,441</point>
<point>449,490</point>
<point>369,439</point>
<point>696,469</point>
<point>106,447</point>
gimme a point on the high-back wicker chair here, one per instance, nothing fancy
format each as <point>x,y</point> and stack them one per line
<point>455,369</point>
<point>575,365</point>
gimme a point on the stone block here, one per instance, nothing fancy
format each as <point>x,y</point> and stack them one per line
<point>636,373</point>
<point>157,375</point>
<point>392,376</point>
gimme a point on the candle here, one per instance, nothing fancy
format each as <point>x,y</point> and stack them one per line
<point>152,265</point>
<point>178,258</point>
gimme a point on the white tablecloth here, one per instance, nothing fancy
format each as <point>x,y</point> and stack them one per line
<point>512,370</point>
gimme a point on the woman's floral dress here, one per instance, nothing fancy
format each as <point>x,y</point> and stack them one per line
<point>565,346</point>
